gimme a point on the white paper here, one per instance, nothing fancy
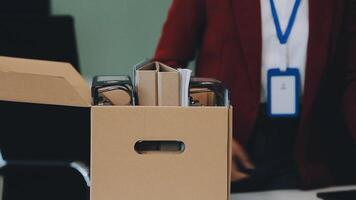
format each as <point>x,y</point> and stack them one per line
<point>283,95</point>
<point>184,75</point>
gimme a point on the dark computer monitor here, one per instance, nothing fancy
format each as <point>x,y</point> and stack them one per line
<point>25,7</point>
<point>47,38</point>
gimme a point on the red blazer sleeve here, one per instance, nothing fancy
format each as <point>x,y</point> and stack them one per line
<point>350,76</point>
<point>181,33</point>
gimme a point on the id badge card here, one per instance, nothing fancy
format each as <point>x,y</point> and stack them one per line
<point>283,88</point>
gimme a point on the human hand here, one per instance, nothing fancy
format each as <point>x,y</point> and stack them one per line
<point>239,155</point>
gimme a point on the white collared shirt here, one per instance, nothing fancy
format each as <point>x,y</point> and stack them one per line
<point>294,53</point>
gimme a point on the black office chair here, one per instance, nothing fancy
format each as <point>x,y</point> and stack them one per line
<point>44,132</point>
<point>42,180</point>
<point>28,31</point>
<point>41,143</point>
<point>47,151</point>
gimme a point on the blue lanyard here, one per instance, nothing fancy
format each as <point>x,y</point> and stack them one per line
<point>283,37</point>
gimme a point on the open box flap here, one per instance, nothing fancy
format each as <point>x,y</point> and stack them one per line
<point>45,82</point>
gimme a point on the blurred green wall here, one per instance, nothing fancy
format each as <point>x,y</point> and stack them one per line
<point>112,35</point>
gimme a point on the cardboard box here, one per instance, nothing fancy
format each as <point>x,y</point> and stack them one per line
<point>31,129</point>
<point>46,82</point>
<point>146,81</point>
<point>158,84</point>
<point>201,171</point>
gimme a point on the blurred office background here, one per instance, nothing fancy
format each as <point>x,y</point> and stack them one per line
<point>112,35</point>
<point>98,37</point>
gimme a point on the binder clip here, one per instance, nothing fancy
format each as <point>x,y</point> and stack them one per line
<point>208,92</point>
<point>113,90</point>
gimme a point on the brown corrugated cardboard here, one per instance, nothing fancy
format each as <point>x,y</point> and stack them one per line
<point>56,83</point>
<point>168,84</point>
<point>158,85</point>
<point>146,83</point>
<point>199,173</point>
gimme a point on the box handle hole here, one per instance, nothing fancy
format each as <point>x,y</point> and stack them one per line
<point>144,147</point>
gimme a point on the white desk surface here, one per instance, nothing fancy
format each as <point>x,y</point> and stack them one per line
<point>287,194</point>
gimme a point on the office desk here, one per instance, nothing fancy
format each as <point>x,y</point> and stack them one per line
<point>287,194</point>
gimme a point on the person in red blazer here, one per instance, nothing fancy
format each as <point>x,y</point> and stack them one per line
<point>225,38</point>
